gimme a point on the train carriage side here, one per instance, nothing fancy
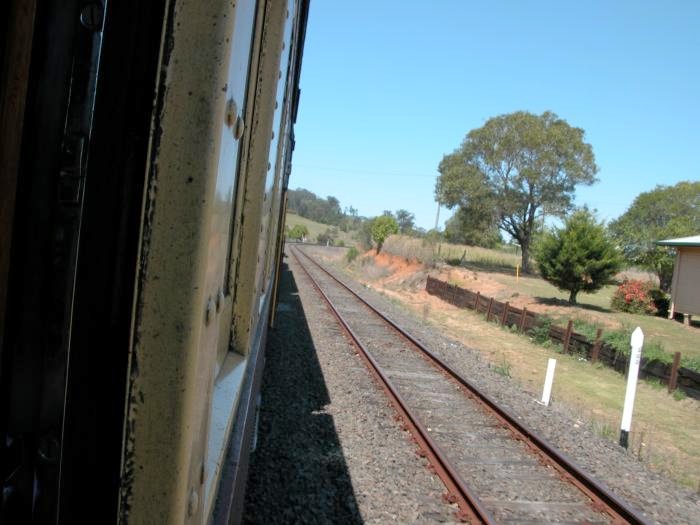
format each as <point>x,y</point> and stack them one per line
<point>233,253</point>
<point>175,236</point>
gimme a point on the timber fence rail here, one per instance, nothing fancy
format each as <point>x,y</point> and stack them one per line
<point>572,342</point>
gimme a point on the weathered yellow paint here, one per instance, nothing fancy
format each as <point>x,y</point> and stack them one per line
<point>178,328</point>
<point>199,299</point>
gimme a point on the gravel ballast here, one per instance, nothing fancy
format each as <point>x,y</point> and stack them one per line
<point>329,449</point>
<point>390,484</point>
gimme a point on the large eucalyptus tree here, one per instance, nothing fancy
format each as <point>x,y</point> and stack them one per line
<point>515,167</point>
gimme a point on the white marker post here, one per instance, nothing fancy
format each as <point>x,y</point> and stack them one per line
<point>548,380</point>
<point>636,341</point>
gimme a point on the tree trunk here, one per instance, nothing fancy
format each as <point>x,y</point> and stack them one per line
<point>665,281</point>
<point>379,247</point>
<point>525,260</point>
<point>572,296</point>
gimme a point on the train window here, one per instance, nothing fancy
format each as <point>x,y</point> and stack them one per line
<point>275,174</point>
<point>228,367</point>
<point>221,236</point>
<point>220,241</point>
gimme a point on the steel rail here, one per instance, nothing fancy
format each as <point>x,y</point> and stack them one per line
<point>601,496</point>
<point>471,508</point>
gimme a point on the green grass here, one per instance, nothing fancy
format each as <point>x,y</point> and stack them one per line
<point>537,287</point>
<point>595,309</point>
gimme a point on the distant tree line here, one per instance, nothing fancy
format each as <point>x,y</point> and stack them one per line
<point>329,211</point>
<point>308,204</point>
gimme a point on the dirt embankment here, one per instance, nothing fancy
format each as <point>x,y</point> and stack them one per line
<point>405,279</point>
<point>397,275</point>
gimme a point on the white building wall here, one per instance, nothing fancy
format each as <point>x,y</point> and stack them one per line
<point>686,281</point>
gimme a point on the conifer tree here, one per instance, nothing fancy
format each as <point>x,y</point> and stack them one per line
<point>580,257</point>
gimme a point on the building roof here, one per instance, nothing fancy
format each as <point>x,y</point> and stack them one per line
<point>693,240</point>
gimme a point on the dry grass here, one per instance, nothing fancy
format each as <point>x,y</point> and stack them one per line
<point>429,252</point>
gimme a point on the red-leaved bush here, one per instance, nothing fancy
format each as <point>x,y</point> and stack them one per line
<point>634,296</point>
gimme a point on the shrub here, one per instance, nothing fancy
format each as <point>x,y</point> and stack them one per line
<point>661,300</point>
<point>651,351</point>
<point>586,328</point>
<point>540,334</point>
<point>298,232</point>
<point>619,340</point>
<point>633,296</point>
<point>580,257</point>
<point>382,227</point>
<point>692,363</point>
<point>679,395</point>
<point>352,254</point>
<point>328,236</point>
<point>503,368</point>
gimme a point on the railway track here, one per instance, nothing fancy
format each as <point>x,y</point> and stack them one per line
<point>495,470</point>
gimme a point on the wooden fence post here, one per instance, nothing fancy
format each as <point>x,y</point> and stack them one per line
<point>567,336</point>
<point>673,378</point>
<point>504,317</point>
<point>488,312</point>
<point>522,319</point>
<point>476,301</point>
<point>596,346</point>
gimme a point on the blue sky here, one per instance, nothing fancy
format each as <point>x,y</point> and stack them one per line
<point>389,87</point>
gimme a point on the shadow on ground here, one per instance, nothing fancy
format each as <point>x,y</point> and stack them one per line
<point>554,301</point>
<point>486,267</point>
<point>298,473</point>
